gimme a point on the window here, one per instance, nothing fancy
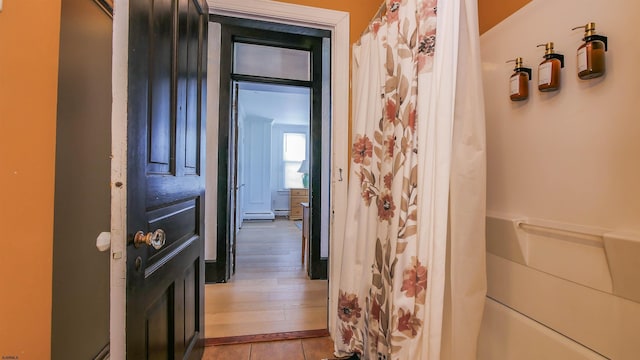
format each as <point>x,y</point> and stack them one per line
<point>294,149</point>
<point>249,59</point>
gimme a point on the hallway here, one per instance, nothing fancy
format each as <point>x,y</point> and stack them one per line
<point>270,292</point>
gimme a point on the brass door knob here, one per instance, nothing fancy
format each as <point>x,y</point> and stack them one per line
<point>155,239</point>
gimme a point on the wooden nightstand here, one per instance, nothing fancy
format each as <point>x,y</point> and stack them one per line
<point>297,196</point>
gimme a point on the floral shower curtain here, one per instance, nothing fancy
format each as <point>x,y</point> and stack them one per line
<point>418,136</point>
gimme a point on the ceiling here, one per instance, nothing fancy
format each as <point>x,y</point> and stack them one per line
<point>288,105</point>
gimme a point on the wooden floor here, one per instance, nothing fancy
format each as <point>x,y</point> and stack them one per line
<point>270,292</point>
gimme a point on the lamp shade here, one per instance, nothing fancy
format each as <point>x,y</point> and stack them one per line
<point>304,167</point>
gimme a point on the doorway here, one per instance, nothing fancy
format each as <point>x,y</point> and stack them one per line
<point>337,23</point>
<point>259,60</point>
<point>272,151</point>
<point>272,122</point>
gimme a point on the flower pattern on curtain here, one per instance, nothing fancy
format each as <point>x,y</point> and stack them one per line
<point>381,306</point>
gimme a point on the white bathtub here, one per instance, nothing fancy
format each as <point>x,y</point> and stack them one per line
<point>560,291</point>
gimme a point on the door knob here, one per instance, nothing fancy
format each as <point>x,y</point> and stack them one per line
<point>103,242</point>
<point>155,239</point>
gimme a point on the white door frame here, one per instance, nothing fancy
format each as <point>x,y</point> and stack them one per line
<point>335,21</point>
<point>338,23</point>
<point>118,266</point>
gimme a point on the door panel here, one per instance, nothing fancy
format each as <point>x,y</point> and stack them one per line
<point>192,127</point>
<point>180,220</point>
<point>167,60</point>
<point>160,89</point>
<point>157,319</point>
<point>191,289</point>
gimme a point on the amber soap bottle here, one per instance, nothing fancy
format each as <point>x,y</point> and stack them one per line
<point>519,81</point>
<point>549,69</point>
<point>591,62</point>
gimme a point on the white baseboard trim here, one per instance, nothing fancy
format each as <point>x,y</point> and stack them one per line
<point>267,215</point>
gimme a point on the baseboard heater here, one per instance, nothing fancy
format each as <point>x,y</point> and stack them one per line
<point>262,215</point>
<point>283,212</point>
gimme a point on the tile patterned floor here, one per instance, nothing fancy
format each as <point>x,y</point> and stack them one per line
<point>300,349</point>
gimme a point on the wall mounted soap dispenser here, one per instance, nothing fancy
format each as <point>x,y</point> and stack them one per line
<point>591,54</point>
<point>549,69</point>
<point>519,82</point>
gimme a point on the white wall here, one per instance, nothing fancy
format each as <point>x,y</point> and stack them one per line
<point>569,158</point>
<point>213,88</point>
<point>571,155</point>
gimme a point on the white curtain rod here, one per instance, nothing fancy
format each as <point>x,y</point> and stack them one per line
<point>381,10</point>
<point>379,14</point>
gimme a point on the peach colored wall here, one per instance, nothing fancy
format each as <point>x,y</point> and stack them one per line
<point>491,12</point>
<point>29,38</point>
<point>360,11</point>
